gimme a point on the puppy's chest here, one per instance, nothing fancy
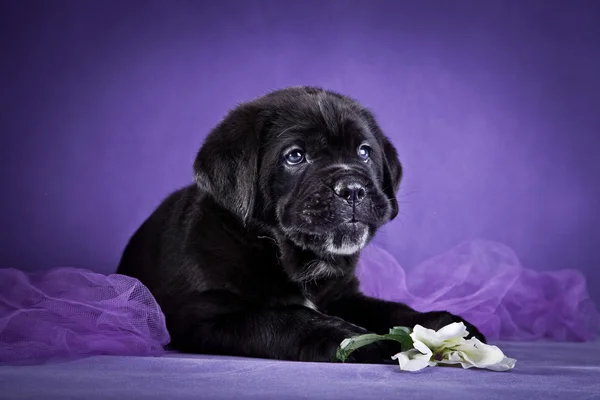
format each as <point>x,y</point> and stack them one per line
<point>268,285</point>
<point>315,295</point>
<point>254,269</point>
<point>263,280</point>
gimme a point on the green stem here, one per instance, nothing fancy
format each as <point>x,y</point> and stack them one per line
<point>398,334</point>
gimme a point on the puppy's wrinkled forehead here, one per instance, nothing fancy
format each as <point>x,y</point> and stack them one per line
<point>321,120</point>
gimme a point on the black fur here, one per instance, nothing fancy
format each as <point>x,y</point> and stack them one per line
<point>257,258</point>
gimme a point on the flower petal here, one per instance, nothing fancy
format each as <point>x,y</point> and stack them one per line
<point>453,331</point>
<point>479,354</point>
<point>412,360</point>
<point>455,357</point>
<point>474,353</point>
<point>429,337</point>
<point>451,357</point>
<point>504,365</point>
<point>422,347</point>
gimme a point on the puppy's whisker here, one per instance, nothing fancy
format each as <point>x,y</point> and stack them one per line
<point>407,194</point>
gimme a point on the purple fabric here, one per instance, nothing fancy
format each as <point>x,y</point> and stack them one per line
<point>544,371</point>
<point>484,282</point>
<point>69,312</point>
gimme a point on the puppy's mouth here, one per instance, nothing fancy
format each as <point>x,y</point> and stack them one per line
<point>347,238</point>
<point>353,225</point>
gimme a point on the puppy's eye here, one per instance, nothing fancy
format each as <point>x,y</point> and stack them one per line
<point>294,157</point>
<point>364,152</point>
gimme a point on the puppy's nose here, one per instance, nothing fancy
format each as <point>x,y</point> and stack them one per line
<point>351,191</point>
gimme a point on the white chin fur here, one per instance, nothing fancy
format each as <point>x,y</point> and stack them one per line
<point>347,248</point>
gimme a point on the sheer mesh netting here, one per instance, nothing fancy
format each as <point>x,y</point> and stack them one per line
<point>68,312</point>
<point>484,282</point>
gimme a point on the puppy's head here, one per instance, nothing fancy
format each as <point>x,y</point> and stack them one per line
<point>311,164</point>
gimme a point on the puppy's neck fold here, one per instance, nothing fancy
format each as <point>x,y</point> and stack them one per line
<point>303,265</point>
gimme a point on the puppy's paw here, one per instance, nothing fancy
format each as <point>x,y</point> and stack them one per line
<point>322,345</point>
<point>438,319</point>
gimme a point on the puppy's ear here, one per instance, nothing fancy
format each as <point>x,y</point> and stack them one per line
<point>392,169</point>
<point>392,173</point>
<point>227,164</point>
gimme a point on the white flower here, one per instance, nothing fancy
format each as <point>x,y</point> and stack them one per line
<point>474,353</point>
<point>414,360</point>
<point>449,346</point>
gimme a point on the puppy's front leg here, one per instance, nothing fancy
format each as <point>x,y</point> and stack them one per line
<point>380,315</point>
<point>219,323</point>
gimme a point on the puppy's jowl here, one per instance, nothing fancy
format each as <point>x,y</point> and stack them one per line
<point>257,257</point>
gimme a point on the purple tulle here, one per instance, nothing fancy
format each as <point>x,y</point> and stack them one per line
<point>484,283</point>
<point>67,312</point>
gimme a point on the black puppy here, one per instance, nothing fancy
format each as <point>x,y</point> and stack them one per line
<point>258,257</point>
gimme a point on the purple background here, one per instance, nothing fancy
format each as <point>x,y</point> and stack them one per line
<point>493,105</point>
